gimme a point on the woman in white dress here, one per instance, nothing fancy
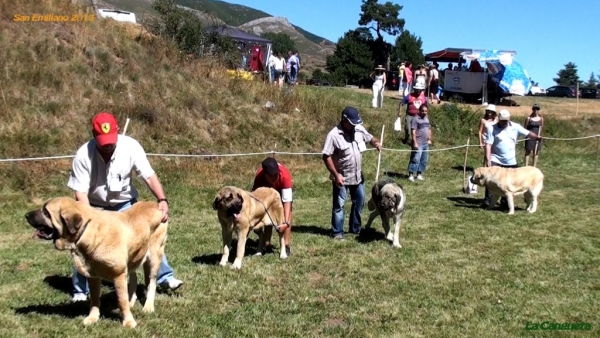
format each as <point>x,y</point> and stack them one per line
<point>488,119</point>
<point>379,78</point>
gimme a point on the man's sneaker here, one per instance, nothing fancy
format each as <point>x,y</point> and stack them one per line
<point>172,284</point>
<point>288,250</point>
<point>420,178</point>
<point>79,297</point>
<point>411,178</point>
<point>339,237</point>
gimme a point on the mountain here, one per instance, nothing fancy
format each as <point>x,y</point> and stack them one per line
<point>313,48</point>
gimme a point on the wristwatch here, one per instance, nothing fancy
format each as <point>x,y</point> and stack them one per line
<point>162,199</point>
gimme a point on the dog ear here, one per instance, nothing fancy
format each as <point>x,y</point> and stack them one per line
<point>216,203</point>
<point>398,200</point>
<point>71,220</point>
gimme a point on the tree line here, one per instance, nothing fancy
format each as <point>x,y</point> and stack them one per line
<point>568,77</point>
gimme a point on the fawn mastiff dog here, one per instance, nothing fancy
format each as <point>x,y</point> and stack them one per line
<point>387,200</point>
<point>511,182</point>
<point>107,245</point>
<point>245,211</point>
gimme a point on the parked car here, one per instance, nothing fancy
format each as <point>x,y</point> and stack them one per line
<point>537,91</point>
<point>561,91</point>
<point>590,93</point>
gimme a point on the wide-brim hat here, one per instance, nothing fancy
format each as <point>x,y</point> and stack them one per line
<point>379,67</point>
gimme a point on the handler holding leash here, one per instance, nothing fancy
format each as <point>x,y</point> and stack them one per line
<point>277,176</point>
<point>101,177</point>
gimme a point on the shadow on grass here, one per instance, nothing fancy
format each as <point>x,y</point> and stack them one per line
<point>461,168</point>
<point>108,302</point>
<point>371,235</point>
<point>214,259</point>
<point>312,229</point>
<point>466,202</point>
<point>393,174</point>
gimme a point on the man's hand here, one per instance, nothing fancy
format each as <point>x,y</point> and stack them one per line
<point>377,145</point>
<point>164,207</point>
<point>429,142</point>
<point>415,145</point>
<point>339,180</point>
<point>489,163</point>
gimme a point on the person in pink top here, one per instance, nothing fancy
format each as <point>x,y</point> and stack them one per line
<point>408,78</point>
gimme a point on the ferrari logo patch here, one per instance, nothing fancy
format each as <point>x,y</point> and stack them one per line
<point>105,127</point>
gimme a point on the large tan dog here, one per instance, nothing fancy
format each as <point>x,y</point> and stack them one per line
<point>107,245</point>
<point>245,211</point>
<point>511,182</point>
<point>387,200</point>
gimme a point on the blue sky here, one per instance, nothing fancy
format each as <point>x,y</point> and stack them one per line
<point>545,34</point>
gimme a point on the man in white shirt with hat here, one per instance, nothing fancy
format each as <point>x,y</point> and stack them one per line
<point>500,146</point>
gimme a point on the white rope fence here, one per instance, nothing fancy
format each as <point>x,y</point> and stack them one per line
<point>280,152</point>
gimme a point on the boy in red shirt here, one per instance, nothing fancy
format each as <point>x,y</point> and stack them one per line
<point>277,176</point>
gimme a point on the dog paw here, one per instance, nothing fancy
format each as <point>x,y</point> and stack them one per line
<point>130,323</point>
<point>511,212</point>
<point>237,264</point>
<point>148,308</point>
<point>258,254</point>
<point>90,320</point>
<point>397,245</point>
<point>390,237</point>
<point>223,262</point>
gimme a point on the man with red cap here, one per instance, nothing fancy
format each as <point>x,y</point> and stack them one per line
<point>101,176</point>
<point>275,175</point>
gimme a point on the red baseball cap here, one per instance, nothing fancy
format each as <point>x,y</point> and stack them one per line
<point>105,128</point>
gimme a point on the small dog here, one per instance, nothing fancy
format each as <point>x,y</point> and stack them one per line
<point>387,200</point>
<point>247,211</point>
<point>510,182</point>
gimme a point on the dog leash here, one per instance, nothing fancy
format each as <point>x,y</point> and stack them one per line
<point>267,211</point>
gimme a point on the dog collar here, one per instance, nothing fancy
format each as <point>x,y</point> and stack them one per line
<point>82,231</point>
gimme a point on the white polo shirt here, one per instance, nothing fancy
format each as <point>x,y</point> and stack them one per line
<point>109,184</point>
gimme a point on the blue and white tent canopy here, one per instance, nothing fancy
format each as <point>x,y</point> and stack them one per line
<point>504,70</point>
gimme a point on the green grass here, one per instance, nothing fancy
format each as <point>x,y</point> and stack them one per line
<point>462,271</point>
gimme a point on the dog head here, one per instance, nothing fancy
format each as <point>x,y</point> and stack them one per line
<point>230,201</point>
<point>392,198</point>
<point>59,220</point>
<point>479,176</point>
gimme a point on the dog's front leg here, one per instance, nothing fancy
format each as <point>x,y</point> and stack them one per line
<point>151,268</point>
<point>241,247</point>
<point>94,314</point>
<point>385,222</point>
<point>131,288</point>
<point>121,288</point>
<point>261,241</point>
<point>372,217</point>
<point>226,234</point>
<point>397,224</point>
<point>282,252</point>
<point>510,198</point>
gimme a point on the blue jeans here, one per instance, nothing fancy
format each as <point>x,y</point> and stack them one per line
<point>418,159</point>
<point>272,73</point>
<point>165,273</point>
<point>357,193</point>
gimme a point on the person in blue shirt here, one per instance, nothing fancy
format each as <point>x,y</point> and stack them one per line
<point>500,146</point>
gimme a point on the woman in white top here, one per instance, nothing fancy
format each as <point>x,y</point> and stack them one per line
<point>488,119</point>
<point>279,65</point>
<point>379,78</point>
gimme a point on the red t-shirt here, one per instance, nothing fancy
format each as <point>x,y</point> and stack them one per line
<point>283,182</point>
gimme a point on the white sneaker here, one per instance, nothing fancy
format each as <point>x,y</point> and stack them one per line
<point>420,178</point>
<point>172,284</point>
<point>411,178</point>
<point>79,297</point>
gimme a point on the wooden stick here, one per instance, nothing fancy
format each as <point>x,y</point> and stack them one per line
<point>535,156</point>
<point>465,165</point>
<point>577,96</point>
<point>379,159</point>
<point>126,125</point>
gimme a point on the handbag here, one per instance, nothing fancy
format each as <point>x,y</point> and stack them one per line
<point>398,124</point>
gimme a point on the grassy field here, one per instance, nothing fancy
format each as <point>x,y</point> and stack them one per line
<point>462,271</point>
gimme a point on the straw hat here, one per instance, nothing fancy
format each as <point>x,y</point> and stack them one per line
<point>379,67</point>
